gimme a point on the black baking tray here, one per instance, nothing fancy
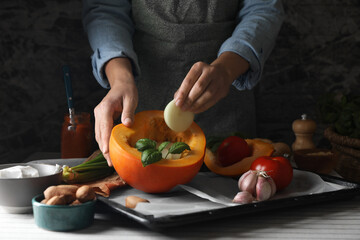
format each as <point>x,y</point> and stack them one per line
<point>352,190</point>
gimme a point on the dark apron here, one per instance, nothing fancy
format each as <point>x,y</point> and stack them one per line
<point>172,35</point>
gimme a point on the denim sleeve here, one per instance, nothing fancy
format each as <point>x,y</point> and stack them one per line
<point>258,24</point>
<point>109,27</point>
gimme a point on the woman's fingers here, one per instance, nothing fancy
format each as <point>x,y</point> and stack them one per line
<point>104,121</point>
<point>129,106</point>
<point>202,88</point>
<point>119,101</point>
<point>208,99</point>
<point>198,89</point>
<point>187,84</point>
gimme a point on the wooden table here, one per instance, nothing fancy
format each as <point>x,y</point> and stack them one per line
<point>330,220</point>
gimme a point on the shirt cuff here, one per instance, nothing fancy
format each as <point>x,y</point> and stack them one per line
<point>100,58</point>
<point>249,79</point>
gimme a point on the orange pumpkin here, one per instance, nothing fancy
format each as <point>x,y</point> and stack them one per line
<point>258,148</point>
<point>165,174</point>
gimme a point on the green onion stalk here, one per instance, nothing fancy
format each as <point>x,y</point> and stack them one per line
<point>92,170</point>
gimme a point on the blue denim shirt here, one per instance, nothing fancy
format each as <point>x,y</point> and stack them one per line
<point>110,29</point>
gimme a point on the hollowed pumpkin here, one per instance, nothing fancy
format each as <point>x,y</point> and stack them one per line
<point>165,174</point>
<point>258,148</point>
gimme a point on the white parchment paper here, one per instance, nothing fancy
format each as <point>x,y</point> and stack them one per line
<point>208,191</point>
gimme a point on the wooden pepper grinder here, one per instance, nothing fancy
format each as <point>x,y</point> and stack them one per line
<point>304,129</point>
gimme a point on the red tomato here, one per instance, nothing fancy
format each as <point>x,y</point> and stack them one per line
<point>232,150</point>
<point>279,168</point>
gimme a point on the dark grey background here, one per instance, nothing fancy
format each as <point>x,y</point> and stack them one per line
<point>318,50</point>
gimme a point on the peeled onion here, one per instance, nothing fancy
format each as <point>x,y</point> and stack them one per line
<point>176,119</point>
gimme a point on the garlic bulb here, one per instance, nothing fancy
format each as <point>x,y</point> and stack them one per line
<point>243,197</point>
<point>255,185</point>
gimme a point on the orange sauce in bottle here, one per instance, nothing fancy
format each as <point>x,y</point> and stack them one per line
<point>76,142</point>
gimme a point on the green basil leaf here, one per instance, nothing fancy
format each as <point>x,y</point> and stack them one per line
<point>178,147</point>
<point>163,145</point>
<point>150,156</point>
<point>145,143</point>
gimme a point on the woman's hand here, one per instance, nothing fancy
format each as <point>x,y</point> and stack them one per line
<point>122,99</point>
<point>206,84</point>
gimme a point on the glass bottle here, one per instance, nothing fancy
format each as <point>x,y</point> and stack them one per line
<point>76,140</point>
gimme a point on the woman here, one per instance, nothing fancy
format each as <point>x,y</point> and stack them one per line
<point>190,50</point>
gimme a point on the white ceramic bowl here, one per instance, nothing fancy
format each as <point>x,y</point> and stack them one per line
<point>16,193</point>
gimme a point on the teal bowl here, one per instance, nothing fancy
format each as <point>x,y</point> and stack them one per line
<point>63,217</point>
